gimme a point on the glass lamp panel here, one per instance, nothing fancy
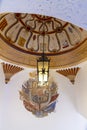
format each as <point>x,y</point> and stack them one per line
<point>40,77</point>
<point>46,65</point>
<point>43,77</point>
<point>40,66</point>
<point>43,65</point>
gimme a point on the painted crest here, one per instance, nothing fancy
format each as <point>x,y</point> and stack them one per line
<point>39,100</point>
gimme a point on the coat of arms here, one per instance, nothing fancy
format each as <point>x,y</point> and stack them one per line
<point>39,100</point>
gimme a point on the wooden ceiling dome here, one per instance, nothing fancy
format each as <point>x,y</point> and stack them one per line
<point>21,40</point>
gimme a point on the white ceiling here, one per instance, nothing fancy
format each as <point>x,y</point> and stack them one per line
<point>74,11</point>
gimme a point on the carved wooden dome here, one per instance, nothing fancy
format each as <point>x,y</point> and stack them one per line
<point>21,40</point>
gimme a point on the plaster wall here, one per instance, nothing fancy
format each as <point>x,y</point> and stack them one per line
<point>13,115</point>
<point>81,90</point>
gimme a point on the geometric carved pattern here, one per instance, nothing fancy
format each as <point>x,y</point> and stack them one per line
<point>21,40</point>
<point>24,32</point>
<point>69,73</point>
<point>10,70</point>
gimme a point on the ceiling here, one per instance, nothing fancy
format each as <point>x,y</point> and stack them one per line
<point>21,40</point>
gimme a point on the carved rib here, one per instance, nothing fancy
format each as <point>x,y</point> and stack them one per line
<point>10,70</point>
<point>69,73</point>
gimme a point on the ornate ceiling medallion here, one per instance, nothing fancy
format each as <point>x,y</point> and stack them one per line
<point>24,32</point>
<point>21,40</point>
<point>39,100</point>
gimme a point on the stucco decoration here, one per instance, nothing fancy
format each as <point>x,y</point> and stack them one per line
<point>10,70</point>
<point>70,73</point>
<point>39,100</point>
<point>22,37</point>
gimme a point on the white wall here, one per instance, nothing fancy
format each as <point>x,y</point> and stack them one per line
<point>2,78</point>
<point>13,115</point>
<point>81,90</point>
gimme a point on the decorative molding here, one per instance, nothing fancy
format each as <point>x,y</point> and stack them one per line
<point>70,73</point>
<point>10,70</point>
